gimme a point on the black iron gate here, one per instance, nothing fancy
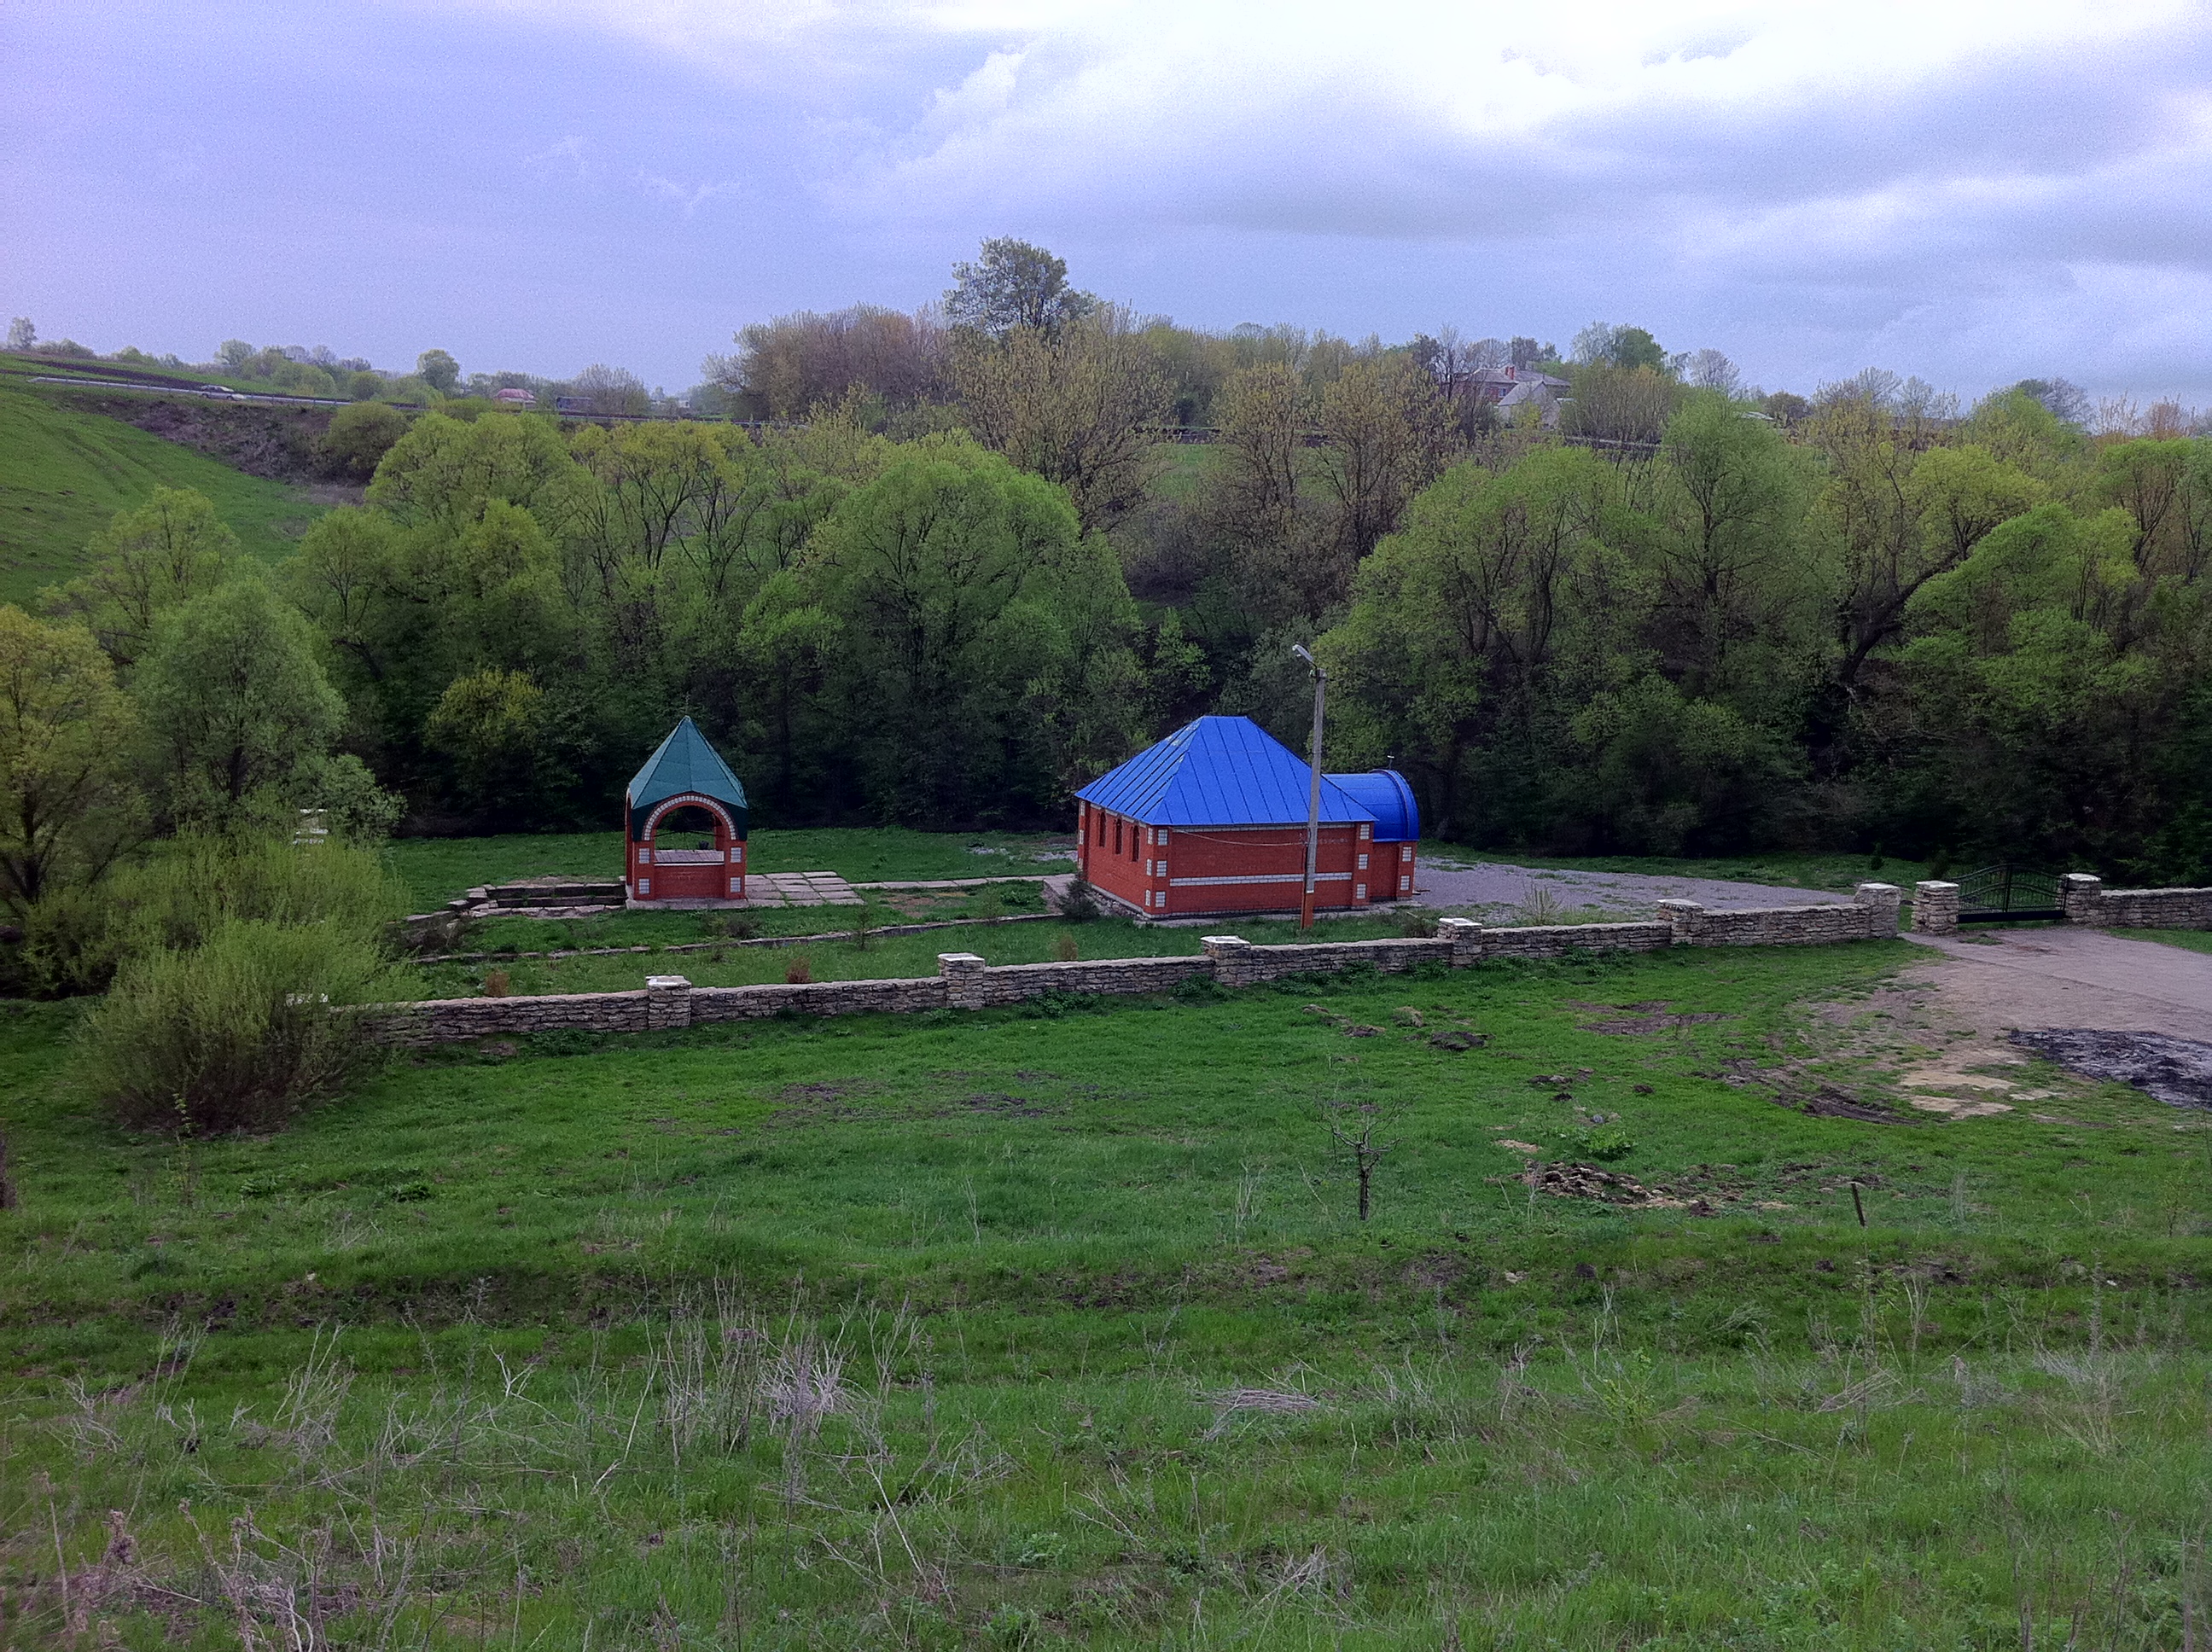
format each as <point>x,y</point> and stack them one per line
<point>2007,894</point>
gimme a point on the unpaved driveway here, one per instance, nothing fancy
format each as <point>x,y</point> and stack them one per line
<point>2063,977</point>
<point>1950,1015</point>
<point>1500,884</point>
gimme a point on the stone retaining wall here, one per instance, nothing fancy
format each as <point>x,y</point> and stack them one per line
<point>965,982</point>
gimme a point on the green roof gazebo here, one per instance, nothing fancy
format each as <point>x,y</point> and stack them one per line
<point>685,773</point>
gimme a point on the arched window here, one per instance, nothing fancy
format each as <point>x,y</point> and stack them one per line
<point>689,827</point>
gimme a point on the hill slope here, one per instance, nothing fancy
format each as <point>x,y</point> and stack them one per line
<point>63,473</point>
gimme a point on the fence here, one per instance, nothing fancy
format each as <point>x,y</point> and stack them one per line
<point>2082,899</point>
<point>965,982</point>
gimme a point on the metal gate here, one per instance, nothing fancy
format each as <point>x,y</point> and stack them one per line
<point>2007,894</point>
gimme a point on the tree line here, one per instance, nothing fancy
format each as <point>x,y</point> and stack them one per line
<point>1869,620</point>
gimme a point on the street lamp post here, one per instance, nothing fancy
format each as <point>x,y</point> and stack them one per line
<point>1313,793</point>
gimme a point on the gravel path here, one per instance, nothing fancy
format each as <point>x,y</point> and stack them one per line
<point>1499,884</point>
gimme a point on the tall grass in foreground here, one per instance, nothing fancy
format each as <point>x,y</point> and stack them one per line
<point>725,1479</point>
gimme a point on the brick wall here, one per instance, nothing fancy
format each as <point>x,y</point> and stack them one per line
<point>965,982</point>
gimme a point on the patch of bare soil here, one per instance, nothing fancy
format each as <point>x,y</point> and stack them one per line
<point>1653,1016</point>
<point>1703,1191</point>
<point>1790,1084</point>
<point>2175,1071</point>
<point>283,444</point>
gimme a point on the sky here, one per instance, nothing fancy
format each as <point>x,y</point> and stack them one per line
<point>1971,191</point>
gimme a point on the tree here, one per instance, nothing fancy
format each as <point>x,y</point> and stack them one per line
<point>1068,403</point>
<point>1603,344</point>
<point>785,366</point>
<point>145,562</point>
<point>1708,369</point>
<point>240,714</point>
<point>1620,403</point>
<point>2066,402</point>
<point>21,334</point>
<point>439,370</point>
<point>1014,285</point>
<point>67,805</point>
<point>965,598</point>
<point>490,725</point>
<point>613,390</point>
<point>359,436</point>
<point>233,356</point>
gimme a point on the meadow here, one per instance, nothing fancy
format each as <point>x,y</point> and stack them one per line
<point>1058,1325</point>
<point>65,472</point>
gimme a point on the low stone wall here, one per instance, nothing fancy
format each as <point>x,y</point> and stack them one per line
<point>964,981</point>
<point>2085,900</point>
<point>1872,913</point>
<point>454,1020</point>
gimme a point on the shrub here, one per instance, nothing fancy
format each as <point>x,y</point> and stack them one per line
<point>1065,949</point>
<point>798,972</point>
<point>497,983</point>
<point>238,1033</point>
<point>1080,902</point>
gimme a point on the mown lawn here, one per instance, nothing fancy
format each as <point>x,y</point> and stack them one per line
<point>65,473</point>
<point>1058,1327</point>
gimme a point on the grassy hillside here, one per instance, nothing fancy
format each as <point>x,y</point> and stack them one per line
<point>63,473</point>
<point>1057,1326</point>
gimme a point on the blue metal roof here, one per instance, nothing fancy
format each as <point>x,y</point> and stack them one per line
<point>684,763</point>
<point>1219,771</point>
<point>1385,794</point>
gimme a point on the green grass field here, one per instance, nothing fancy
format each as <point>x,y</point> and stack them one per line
<point>437,869</point>
<point>1058,1327</point>
<point>2194,940</point>
<point>65,473</point>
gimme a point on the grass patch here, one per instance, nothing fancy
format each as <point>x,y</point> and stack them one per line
<point>438,868</point>
<point>2193,940</point>
<point>1055,1325</point>
<point>64,472</point>
<point>884,957</point>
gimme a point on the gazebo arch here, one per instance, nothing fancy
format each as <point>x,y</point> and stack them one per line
<point>685,773</point>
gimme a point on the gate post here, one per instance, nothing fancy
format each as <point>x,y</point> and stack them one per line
<point>1935,908</point>
<point>1881,902</point>
<point>2079,896</point>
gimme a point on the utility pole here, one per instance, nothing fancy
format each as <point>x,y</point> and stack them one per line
<point>1313,794</point>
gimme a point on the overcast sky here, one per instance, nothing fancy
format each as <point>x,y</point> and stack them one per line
<point>1973,193</point>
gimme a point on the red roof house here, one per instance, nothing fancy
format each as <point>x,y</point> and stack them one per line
<point>1212,819</point>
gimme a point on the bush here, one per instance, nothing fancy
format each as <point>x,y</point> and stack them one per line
<point>238,1033</point>
<point>361,435</point>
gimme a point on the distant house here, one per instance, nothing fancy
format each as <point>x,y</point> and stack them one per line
<point>1503,385</point>
<point>515,396</point>
<point>1212,819</point>
<point>572,405</point>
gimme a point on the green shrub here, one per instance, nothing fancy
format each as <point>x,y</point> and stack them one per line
<point>239,1032</point>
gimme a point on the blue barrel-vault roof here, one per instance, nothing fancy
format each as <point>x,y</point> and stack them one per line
<point>1219,771</point>
<point>1384,793</point>
<point>685,763</point>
